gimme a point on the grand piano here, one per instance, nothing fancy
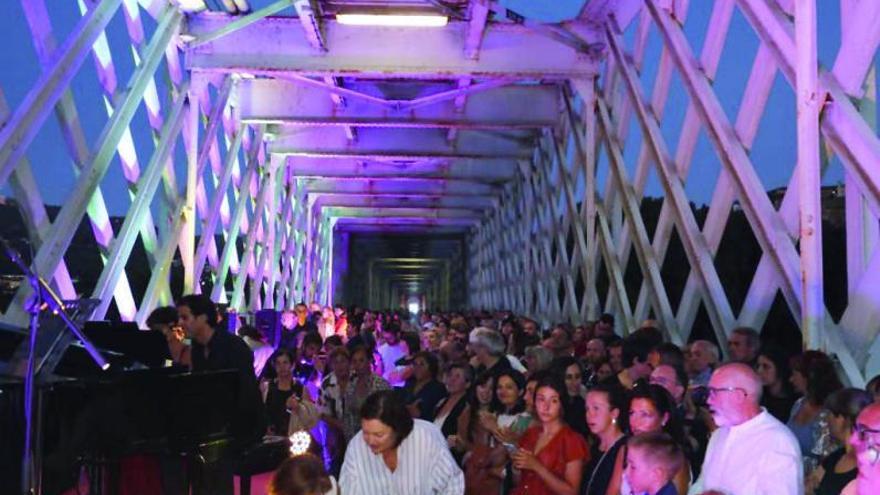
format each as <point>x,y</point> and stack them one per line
<point>91,418</point>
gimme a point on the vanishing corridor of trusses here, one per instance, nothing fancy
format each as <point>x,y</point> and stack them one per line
<point>256,138</point>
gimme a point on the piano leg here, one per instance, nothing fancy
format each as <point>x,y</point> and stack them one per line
<point>244,484</point>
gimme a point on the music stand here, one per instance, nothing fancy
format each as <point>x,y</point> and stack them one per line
<point>42,295</point>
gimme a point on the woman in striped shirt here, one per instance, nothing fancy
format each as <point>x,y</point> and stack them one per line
<point>394,454</point>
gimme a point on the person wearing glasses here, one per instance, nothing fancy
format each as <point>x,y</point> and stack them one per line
<point>866,441</point>
<point>751,452</point>
<point>839,468</point>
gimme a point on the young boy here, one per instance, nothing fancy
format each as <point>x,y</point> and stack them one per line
<point>652,459</point>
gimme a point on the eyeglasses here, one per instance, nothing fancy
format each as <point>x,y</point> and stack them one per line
<point>717,390</point>
<point>863,431</point>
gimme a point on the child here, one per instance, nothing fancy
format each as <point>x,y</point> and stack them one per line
<point>652,459</point>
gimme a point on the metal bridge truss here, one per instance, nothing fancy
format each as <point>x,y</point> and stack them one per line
<point>246,138</point>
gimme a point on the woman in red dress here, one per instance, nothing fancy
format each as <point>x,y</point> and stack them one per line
<point>551,455</point>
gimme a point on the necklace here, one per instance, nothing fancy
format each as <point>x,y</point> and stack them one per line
<point>599,464</point>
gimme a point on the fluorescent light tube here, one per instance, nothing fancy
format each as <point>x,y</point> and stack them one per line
<point>399,20</point>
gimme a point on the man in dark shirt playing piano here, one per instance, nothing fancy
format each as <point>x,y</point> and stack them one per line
<point>212,350</point>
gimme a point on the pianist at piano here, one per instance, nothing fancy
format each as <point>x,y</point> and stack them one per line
<point>219,350</point>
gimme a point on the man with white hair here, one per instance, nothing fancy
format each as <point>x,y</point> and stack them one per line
<point>701,361</point>
<point>751,452</point>
<point>490,351</point>
<point>866,441</point>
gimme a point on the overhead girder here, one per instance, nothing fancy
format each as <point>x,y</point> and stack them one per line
<point>419,213</point>
<point>407,144</point>
<point>399,186</point>
<point>411,261</point>
<point>404,200</point>
<point>276,45</point>
<point>483,169</point>
<point>412,220</point>
<point>402,229</point>
<point>277,101</point>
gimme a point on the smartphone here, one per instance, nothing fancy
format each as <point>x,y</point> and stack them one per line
<point>509,447</point>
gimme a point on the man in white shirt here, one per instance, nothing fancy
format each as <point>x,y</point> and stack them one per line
<point>392,350</point>
<point>751,452</point>
<point>394,454</point>
<point>866,441</point>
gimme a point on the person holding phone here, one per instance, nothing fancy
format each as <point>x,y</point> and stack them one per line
<point>277,393</point>
<point>551,455</point>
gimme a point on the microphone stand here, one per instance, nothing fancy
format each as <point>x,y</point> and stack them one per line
<point>43,295</point>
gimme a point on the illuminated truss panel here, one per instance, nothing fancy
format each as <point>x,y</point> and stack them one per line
<point>233,148</point>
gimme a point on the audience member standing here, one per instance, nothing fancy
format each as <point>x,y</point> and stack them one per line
<point>866,441</point>
<point>743,345</point>
<point>839,467</point>
<point>751,452</point>
<point>651,410</point>
<point>489,350</point>
<point>327,325</point>
<point>814,376</point>
<point>574,414</point>
<point>363,383</point>
<point>651,463</point>
<point>702,360</point>
<point>606,404</point>
<point>390,351</point>
<point>294,324</point>
<point>483,457</point>
<point>635,361</point>
<point>778,396</point>
<point>257,343</point>
<point>277,392</point>
<point>302,475</point>
<point>551,455</point>
<point>394,453</point>
<point>423,390</point>
<point>458,378</point>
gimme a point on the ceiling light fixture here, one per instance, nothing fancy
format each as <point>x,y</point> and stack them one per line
<point>396,20</point>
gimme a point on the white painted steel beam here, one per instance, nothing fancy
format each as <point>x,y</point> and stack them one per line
<point>360,228</point>
<point>399,186</point>
<point>644,251</point>
<point>492,170</point>
<point>58,239</point>
<point>276,101</point>
<point>809,174</point>
<point>415,200</point>
<point>277,45</point>
<point>858,47</point>
<point>841,124</point>
<point>769,229</point>
<point>140,207</point>
<point>696,249</point>
<point>36,107</point>
<point>402,212</point>
<point>402,144</point>
<point>389,221</point>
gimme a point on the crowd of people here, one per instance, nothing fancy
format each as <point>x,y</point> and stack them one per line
<point>489,403</point>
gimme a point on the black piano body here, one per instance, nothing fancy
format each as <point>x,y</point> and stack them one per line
<point>94,417</point>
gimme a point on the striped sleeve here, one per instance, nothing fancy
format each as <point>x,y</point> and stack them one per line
<point>348,476</point>
<point>446,477</point>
